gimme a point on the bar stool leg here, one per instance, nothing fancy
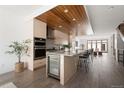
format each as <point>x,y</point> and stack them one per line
<point>86,65</point>
<point>79,64</point>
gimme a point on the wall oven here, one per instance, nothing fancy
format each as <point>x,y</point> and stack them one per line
<point>39,48</point>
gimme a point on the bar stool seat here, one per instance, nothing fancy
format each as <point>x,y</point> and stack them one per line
<point>100,53</point>
<point>95,53</point>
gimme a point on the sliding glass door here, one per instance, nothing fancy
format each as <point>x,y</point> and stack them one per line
<point>98,45</point>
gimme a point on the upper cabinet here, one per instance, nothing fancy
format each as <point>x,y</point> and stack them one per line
<point>40,29</point>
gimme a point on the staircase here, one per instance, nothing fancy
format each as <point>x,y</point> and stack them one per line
<point>121,43</point>
<point>120,29</point>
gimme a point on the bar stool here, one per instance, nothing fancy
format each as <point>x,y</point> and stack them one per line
<point>95,53</point>
<point>84,59</point>
<point>100,53</point>
<point>90,51</point>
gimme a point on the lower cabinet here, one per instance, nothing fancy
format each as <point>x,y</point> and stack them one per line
<point>39,63</point>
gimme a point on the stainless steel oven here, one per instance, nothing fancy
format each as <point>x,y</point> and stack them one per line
<point>39,48</point>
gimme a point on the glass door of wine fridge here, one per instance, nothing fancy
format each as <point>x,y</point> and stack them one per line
<point>54,66</point>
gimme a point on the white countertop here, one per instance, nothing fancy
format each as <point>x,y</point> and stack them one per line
<point>72,53</point>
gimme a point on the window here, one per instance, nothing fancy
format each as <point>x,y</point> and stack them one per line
<point>98,45</point>
<point>89,44</point>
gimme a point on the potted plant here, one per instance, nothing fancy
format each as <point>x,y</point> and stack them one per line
<point>19,49</point>
<point>66,47</point>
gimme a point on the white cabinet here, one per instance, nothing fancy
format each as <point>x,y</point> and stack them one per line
<point>40,32</point>
<point>39,29</point>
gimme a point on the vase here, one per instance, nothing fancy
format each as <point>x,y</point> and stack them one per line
<point>19,67</point>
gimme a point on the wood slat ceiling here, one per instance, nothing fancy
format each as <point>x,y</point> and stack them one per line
<point>56,17</point>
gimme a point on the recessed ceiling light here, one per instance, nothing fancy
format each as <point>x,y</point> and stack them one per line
<point>66,11</point>
<point>60,26</point>
<point>73,19</point>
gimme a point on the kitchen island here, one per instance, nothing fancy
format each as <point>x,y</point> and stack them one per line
<point>62,65</point>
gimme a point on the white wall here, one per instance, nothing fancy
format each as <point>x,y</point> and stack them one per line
<point>16,25</point>
<point>13,28</point>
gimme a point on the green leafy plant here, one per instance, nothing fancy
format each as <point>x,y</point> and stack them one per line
<point>19,48</point>
<point>67,46</point>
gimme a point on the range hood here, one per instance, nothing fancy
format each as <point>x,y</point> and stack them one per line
<point>50,33</point>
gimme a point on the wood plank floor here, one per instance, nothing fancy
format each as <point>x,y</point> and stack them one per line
<point>104,72</point>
